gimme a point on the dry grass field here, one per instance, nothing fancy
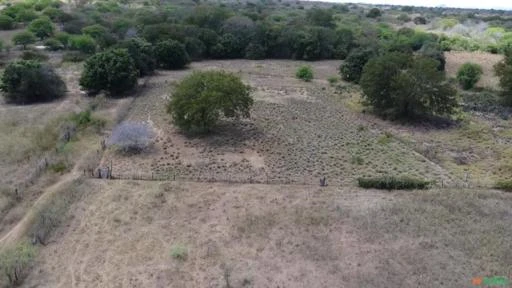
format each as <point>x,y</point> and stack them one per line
<point>297,133</point>
<point>455,59</point>
<point>277,227</point>
<point>179,234</point>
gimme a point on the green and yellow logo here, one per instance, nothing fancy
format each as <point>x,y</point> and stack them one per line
<point>490,281</point>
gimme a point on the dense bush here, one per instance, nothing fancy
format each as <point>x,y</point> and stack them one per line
<point>420,20</point>
<point>82,43</point>
<point>171,54</point>
<point>24,38</point>
<point>398,85</point>
<point>141,53</point>
<point>505,185</point>
<point>131,137</point>
<point>352,68</point>
<point>304,73</point>
<point>41,27</point>
<point>468,75</point>
<point>53,44</point>
<point>255,51</point>
<point>434,51</point>
<point>113,71</point>
<point>393,183</point>
<point>201,98</point>
<point>34,55</point>
<point>26,82</point>
<point>374,13</point>
<point>6,22</point>
<point>504,71</point>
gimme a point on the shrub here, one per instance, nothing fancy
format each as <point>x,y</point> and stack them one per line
<point>113,71</point>
<point>24,38</point>
<point>179,252</point>
<point>434,51</point>
<point>393,183</point>
<point>352,68</point>
<point>6,22</point>
<point>171,54</point>
<point>131,137</point>
<point>82,43</point>
<point>201,98</point>
<point>332,80</point>
<point>505,185</point>
<point>468,75</point>
<point>27,81</point>
<point>255,51</point>
<point>420,20</point>
<point>195,48</point>
<point>26,15</point>
<point>399,85</point>
<point>504,71</point>
<point>63,38</point>
<point>141,53</point>
<point>51,214</point>
<point>74,56</point>
<point>53,44</point>
<point>41,27</point>
<point>374,13</point>
<point>16,262</point>
<point>304,73</point>
<point>34,55</point>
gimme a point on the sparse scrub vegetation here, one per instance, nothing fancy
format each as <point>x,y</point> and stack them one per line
<point>132,137</point>
<point>393,183</point>
<point>505,185</point>
<point>304,73</point>
<point>179,252</point>
<point>16,262</point>
<point>201,98</point>
<point>49,216</point>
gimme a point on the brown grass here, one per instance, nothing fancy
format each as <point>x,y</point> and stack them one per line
<point>125,232</point>
<point>455,59</point>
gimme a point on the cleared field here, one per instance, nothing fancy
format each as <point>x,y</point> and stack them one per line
<point>125,233</point>
<point>298,132</point>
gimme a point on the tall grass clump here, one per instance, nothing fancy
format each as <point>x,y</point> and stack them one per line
<point>15,263</point>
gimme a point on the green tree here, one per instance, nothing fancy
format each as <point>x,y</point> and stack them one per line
<point>26,15</point>
<point>200,99</point>
<point>321,17</point>
<point>141,53</point>
<point>304,73</point>
<point>6,22</point>
<point>42,27</point>
<point>24,38</point>
<point>468,75</point>
<point>374,13</point>
<point>113,71</point>
<point>398,85</point>
<point>28,81</point>
<point>352,68</point>
<point>82,43</point>
<point>503,70</point>
<point>171,54</point>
